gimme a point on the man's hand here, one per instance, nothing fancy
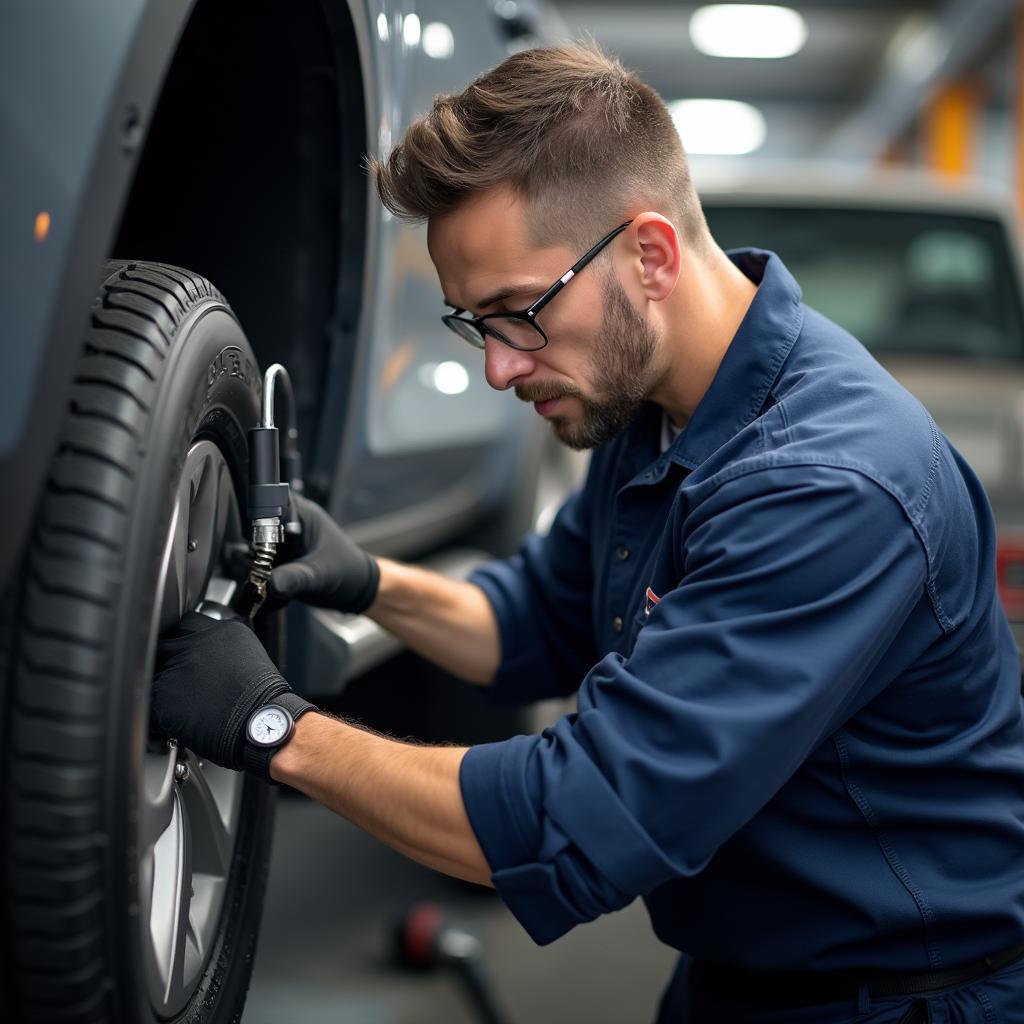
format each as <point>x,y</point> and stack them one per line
<point>211,676</point>
<point>449,622</point>
<point>331,570</point>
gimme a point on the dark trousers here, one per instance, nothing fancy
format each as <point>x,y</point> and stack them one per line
<point>997,999</point>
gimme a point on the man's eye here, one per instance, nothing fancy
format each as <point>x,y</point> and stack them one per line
<point>518,306</point>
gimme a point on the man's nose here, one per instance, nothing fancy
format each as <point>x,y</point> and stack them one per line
<point>504,365</point>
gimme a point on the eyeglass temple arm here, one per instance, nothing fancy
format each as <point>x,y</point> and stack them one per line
<point>574,270</point>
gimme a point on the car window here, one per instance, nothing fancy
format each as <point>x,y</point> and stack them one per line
<point>901,282</point>
<point>428,387</point>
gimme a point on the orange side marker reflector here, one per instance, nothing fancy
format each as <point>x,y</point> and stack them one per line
<point>42,226</point>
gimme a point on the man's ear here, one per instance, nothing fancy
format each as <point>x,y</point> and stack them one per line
<point>660,257</point>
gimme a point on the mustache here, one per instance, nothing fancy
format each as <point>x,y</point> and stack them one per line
<point>544,392</point>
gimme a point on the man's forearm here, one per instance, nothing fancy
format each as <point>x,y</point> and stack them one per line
<point>407,796</point>
<point>448,622</point>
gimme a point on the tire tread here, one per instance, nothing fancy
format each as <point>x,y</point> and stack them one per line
<point>53,791</point>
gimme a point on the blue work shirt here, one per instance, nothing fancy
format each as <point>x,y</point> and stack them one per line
<point>799,731</point>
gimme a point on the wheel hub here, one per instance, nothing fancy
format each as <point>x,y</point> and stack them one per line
<point>189,809</point>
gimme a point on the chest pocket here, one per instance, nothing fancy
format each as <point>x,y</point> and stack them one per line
<point>637,623</point>
<point>656,585</point>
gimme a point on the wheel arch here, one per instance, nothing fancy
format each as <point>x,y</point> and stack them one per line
<point>76,140</point>
<point>79,156</point>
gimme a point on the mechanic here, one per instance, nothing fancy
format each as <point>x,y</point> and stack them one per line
<point>799,731</point>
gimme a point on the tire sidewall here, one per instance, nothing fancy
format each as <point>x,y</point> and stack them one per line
<point>209,388</point>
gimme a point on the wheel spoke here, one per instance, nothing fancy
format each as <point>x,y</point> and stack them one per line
<point>201,512</point>
<point>156,809</point>
<point>189,811</point>
<point>228,521</point>
<point>212,842</point>
<point>177,978</point>
<point>173,599</point>
<point>169,895</point>
<point>194,948</point>
<point>225,523</point>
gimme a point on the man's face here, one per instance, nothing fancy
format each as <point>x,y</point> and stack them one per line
<point>620,371</point>
<point>600,362</point>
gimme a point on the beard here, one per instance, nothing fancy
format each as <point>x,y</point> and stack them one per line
<point>624,376</point>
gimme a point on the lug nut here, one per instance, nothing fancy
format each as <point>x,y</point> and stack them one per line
<point>181,772</point>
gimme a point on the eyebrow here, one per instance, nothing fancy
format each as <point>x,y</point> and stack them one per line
<point>498,296</point>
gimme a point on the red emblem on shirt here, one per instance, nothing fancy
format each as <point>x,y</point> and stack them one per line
<point>650,600</point>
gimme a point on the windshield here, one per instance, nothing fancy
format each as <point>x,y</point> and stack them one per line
<point>903,283</point>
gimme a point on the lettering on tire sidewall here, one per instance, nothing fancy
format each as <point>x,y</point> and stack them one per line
<point>231,361</point>
<point>229,368</point>
<point>232,371</point>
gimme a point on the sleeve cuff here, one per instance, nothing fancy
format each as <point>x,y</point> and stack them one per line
<point>498,798</point>
<point>501,810</point>
<point>560,852</point>
<point>533,895</point>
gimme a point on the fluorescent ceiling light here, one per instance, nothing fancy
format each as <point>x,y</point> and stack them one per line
<point>449,377</point>
<point>718,127</point>
<point>411,30</point>
<point>748,30</point>
<point>438,41</point>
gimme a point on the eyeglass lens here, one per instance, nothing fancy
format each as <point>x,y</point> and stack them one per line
<point>465,330</point>
<point>515,331</point>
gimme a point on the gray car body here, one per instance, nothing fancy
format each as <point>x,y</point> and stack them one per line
<point>406,465</point>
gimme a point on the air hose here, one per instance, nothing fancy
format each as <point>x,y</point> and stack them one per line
<point>268,505</point>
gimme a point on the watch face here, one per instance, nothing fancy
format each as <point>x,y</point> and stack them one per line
<point>269,726</point>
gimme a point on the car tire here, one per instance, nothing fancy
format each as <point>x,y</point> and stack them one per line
<point>115,838</point>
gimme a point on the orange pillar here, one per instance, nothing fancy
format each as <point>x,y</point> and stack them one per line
<point>949,128</point>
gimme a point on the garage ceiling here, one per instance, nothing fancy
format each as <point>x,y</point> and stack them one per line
<point>854,86</point>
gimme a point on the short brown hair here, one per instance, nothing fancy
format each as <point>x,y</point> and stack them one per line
<point>568,128</point>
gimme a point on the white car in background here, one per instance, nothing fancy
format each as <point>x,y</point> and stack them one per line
<point>928,277</point>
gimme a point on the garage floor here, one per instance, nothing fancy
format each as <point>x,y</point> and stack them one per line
<point>323,956</point>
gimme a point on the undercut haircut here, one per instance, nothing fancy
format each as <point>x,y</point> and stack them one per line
<point>569,129</point>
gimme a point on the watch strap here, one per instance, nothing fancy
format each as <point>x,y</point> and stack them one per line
<point>256,759</point>
<point>295,705</point>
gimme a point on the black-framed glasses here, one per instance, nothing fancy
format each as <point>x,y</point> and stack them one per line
<point>519,329</point>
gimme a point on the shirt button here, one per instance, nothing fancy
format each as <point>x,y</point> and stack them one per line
<point>617,624</point>
<point>622,552</point>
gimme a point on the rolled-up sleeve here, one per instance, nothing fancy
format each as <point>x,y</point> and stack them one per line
<point>542,599</point>
<point>796,581</point>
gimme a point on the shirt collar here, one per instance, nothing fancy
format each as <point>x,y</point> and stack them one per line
<point>751,363</point>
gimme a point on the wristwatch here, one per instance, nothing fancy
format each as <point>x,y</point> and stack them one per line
<point>269,728</point>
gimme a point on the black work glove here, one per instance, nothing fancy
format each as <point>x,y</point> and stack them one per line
<point>211,676</point>
<point>328,570</point>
